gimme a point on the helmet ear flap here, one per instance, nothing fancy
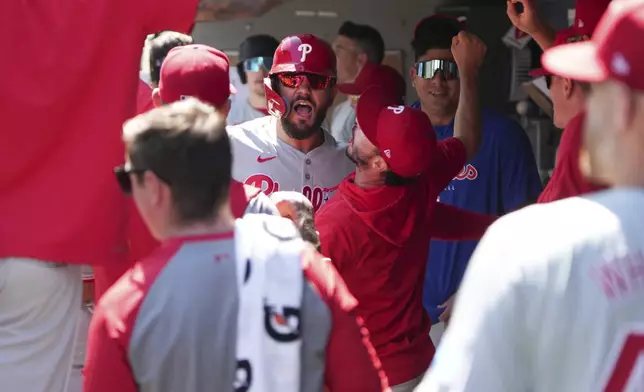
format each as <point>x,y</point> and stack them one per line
<point>275,104</point>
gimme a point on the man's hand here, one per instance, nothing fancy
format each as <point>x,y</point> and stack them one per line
<point>469,52</point>
<point>528,21</point>
<point>447,312</point>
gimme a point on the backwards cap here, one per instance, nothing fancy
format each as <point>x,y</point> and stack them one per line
<point>197,71</point>
<point>403,135</point>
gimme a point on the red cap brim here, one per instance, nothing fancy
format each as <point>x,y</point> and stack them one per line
<point>370,104</point>
<point>578,61</point>
<point>535,73</point>
<point>349,89</point>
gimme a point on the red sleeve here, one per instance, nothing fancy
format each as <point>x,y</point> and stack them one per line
<point>448,161</point>
<point>349,345</point>
<point>106,365</point>
<point>449,223</point>
<point>175,15</point>
<point>334,242</point>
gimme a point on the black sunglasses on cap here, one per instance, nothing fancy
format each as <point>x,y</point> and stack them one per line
<point>428,69</point>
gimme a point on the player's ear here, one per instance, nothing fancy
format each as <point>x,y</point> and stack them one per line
<point>225,108</point>
<point>568,86</point>
<point>378,163</point>
<point>412,76</point>
<point>156,98</point>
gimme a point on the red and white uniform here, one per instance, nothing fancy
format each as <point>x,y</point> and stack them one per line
<point>263,160</point>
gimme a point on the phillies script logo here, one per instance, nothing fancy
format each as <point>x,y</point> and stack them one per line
<point>468,172</point>
<point>263,182</point>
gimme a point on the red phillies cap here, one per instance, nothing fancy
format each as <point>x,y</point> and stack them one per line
<point>566,36</point>
<point>587,15</point>
<point>613,52</point>
<point>371,74</point>
<point>197,71</point>
<point>403,135</point>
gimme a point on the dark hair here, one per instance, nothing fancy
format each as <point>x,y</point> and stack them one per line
<point>160,45</point>
<point>306,224</point>
<point>260,45</point>
<point>393,179</point>
<point>434,32</point>
<point>186,145</point>
<point>367,38</point>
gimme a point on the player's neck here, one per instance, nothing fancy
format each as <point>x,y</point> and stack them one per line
<point>439,118</point>
<point>223,222</point>
<point>305,145</point>
<point>257,101</point>
<point>365,179</point>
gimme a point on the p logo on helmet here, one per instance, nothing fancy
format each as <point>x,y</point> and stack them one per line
<point>305,49</point>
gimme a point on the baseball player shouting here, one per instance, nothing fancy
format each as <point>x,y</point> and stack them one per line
<point>289,151</point>
<point>553,299</point>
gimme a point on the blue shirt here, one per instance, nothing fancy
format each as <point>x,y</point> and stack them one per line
<point>501,177</point>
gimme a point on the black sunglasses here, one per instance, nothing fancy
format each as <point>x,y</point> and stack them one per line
<point>548,81</point>
<point>122,174</point>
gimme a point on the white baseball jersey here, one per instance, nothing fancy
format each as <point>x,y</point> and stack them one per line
<point>342,120</point>
<point>261,159</point>
<point>553,300</point>
<point>241,111</point>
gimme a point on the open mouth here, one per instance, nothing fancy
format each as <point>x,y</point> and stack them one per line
<point>438,94</point>
<point>303,108</point>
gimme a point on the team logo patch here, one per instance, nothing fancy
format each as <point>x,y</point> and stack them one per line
<point>305,49</point>
<point>243,376</point>
<point>282,326</point>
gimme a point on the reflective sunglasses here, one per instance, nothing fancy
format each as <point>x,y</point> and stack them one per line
<point>256,64</point>
<point>428,69</point>
<point>294,80</point>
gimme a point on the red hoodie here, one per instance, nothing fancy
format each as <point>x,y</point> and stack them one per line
<point>378,239</point>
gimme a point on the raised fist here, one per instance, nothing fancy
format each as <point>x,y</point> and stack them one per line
<point>527,21</point>
<point>469,52</point>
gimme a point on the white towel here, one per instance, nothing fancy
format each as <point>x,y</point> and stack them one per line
<point>268,253</point>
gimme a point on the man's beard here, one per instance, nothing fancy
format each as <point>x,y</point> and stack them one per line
<point>355,158</point>
<point>299,133</point>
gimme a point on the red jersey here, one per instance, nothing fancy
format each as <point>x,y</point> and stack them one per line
<point>567,179</point>
<point>69,86</point>
<point>378,239</point>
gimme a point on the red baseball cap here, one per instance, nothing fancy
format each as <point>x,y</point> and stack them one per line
<point>587,15</point>
<point>613,52</point>
<point>403,135</point>
<point>371,74</point>
<point>197,71</point>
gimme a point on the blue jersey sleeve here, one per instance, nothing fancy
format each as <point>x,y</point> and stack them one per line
<point>520,182</point>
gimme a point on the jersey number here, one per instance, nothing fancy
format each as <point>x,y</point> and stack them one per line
<point>631,352</point>
<point>315,195</point>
